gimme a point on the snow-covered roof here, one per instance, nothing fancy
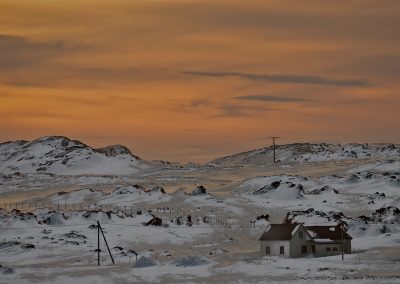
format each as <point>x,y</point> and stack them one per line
<point>333,233</point>
<point>317,233</point>
<point>323,241</point>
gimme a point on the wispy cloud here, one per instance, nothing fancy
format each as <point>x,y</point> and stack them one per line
<point>269,98</point>
<point>235,110</point>
<point>283,78</point>
<point>199,102</point>
<point>36,114</point>
<point>18,51</point>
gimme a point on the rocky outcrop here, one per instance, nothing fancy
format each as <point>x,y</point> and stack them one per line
<point>200,190</point>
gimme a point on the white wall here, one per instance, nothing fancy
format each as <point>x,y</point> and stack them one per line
<point>321,248</point>
<point>275,247</point>
<point>296,243</point>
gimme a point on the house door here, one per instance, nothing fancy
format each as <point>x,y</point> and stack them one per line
<point>313,249</point>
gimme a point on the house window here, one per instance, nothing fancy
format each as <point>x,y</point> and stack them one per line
<point>301,234</point>
<point>267,250</point>
<point>334,248</point>
<point>303,249</point>
<point>328,249</point>
<point>282,250</point>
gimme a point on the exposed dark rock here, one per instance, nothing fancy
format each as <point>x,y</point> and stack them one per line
<point>74,235</point>
<point>6,270</point>
<point>28,246</point>
<point>326,188</point>
<point>154,222</point>
<point>116,150</point>
<point>263,217</point>
<point>275,184</point>
<point>189,220</point>
<point>44,231</point>
<point>375,196</point>
<point>354,178</point>
<point>6,244</point>
<point>158,189</point>
<point>331,216</point>
<point>200,190</point>
<point>383,215</point>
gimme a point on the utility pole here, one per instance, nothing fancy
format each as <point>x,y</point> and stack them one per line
<point>273,143</point>
<point>340,225</point>
<point>99,228</point>
<point>98,243</point>
<point>342,241</point>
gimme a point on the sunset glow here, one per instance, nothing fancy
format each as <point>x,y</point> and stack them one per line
<point>194,80</point>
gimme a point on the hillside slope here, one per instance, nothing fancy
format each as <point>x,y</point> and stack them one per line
<point>305,152</point>
<point>60,155</point>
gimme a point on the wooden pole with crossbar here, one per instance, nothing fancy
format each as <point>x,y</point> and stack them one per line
<point>273,144</point>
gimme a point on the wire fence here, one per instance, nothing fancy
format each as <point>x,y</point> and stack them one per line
<point>132,210</point>
<point>166,213</point>
<point>163,212</point>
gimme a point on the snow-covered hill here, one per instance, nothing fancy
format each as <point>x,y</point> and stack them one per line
<point>206,235</point>
<point>305,152</point>
<point>60,155</point>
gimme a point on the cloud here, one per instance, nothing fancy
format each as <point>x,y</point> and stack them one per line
<point>234,110</point>
<point>269,98</point>
<point>199,102</point>
<point>282,78</point>
<point>25,62</point>
<point>18,51</point>
<point>28,114</point>
<point>231,110</point>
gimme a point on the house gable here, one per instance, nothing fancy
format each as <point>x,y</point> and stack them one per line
<point>278,232</point>
<point>306,234</point>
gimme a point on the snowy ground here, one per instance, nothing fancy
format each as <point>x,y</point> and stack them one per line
<point>57,243</point>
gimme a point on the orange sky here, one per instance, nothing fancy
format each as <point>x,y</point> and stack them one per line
<point>193,80</point>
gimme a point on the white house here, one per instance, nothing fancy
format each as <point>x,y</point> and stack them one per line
<point>296,240</point>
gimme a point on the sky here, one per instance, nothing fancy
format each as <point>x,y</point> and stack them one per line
<point>192,80</point>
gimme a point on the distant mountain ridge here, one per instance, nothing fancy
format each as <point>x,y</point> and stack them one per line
<point>308,152</point>
<point>61,155</point>
<point>64,156</point>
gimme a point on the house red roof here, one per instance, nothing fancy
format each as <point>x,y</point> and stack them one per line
<point>333,233</point>
<point>284,232</point>
<point>278,232</point>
